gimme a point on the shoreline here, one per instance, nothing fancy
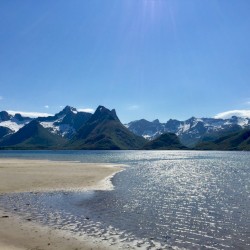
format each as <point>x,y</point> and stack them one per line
<point>18,176</point>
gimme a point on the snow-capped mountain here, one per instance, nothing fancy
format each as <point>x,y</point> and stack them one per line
<point>64,123</point>
<point>149,130</point>
<point>190,131</point>
<point>10,124</point>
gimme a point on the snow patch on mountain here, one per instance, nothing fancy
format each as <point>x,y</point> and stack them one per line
<point>12,125</point>
<point>243,121</point>
<point>183,128</point>
<point>56,127</point>
<point>66,122</point>
<point>61,129</point>
<point>50,126</point>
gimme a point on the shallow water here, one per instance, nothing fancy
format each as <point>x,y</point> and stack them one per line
<point>163,199</point>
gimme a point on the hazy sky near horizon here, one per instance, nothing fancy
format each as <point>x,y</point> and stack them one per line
<point>145,58</point>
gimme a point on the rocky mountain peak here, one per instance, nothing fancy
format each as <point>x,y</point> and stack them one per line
<point>191,120</point>
<point>69,109</point>
<point>4,116</point>
<point>102,113</point>
<point>156,121</point>
<point>20,118</point>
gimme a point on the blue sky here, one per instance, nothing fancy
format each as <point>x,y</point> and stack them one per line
<point>145,58</point>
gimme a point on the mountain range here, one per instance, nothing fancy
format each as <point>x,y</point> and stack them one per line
<point>72,129</point>
<point>68,129</point>
<point>191,131</point>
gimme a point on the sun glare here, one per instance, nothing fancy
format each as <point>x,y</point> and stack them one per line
<point>152,9</point>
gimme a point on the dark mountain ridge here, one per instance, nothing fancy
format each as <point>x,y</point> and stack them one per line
<point>234,141</point>
<point>105,131</point>
<point>167,141</point>
<point>33,136</point>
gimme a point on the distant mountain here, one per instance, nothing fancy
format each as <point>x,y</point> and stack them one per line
<point>105,131</point>
<point>66,122</point>
<point>148,130</point>
<point>190,131</point>
<point>10,124</point>
<point>4,116</point>
<point>32,136</point>
<point>234,141</point>
<point>167,141</point>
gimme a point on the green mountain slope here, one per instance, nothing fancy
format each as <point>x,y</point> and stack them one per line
<point>105,131</point>
<point>33,136</point>
<point>235,141</point>
<point>167,141</point>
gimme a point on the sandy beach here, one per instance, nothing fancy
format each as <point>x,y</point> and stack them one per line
<point>42,175</point>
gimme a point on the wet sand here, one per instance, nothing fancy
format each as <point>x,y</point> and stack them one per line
<point>17,234</point>
<point>41,175</point>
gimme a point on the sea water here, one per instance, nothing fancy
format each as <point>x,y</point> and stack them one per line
<point>163,199</point>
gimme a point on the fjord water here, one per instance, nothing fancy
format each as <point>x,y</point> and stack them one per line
<point>190,199</point>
